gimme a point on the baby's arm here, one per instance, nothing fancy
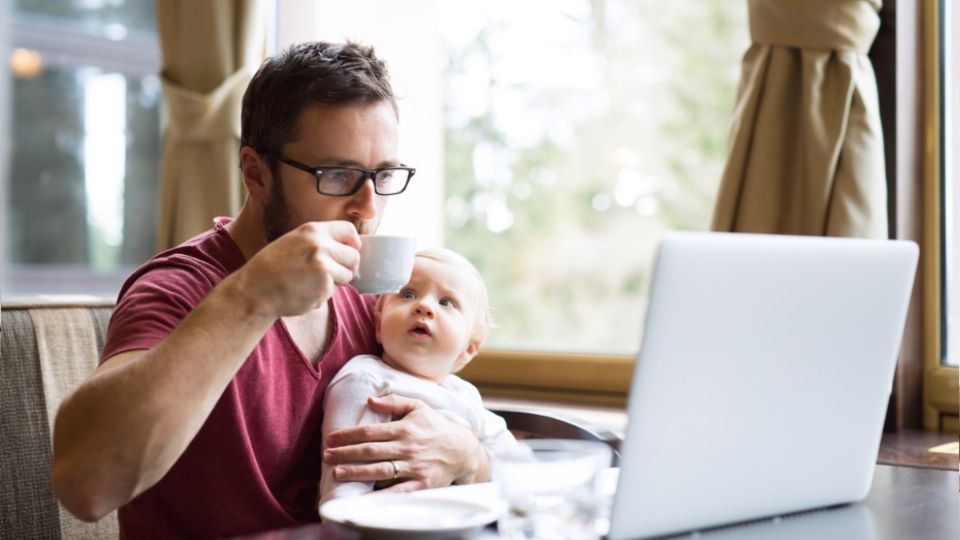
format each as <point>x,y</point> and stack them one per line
<point>492,431</point>
<point>345,405</point>
<point>495,436</point>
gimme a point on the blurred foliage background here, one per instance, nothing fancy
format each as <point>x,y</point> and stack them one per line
<point>576,133</point>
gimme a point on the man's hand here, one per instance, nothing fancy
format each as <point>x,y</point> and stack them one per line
<point>300,270</point>
<point>427,449</point>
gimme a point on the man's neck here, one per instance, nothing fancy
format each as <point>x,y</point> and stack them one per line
<point>247,231</point>
<point>312,332</point>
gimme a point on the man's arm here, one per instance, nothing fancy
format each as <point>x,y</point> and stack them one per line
<point>123,428</point>
<point>429,450</point>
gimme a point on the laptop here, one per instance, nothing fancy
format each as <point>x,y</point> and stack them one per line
<point>763,378</point>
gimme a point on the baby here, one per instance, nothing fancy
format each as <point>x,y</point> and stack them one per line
<point>429,331</point>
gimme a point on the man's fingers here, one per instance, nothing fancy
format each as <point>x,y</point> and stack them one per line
<point>334,242</point>
<point>343,253</point>
<point>366,472</point>
<point>341,231</point>
<point>368,433</point>
<point>339,273</point>
<point>404,487</point>
<point>395,405</point>
<point>355,453</point>
<point>346,233</point>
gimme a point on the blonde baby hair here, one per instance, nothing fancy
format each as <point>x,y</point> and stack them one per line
<point>485,319</point>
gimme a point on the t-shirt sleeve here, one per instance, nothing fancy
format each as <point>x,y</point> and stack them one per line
<point>153,302</point>
<point>345,405</point>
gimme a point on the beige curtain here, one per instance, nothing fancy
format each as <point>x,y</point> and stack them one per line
<point>210,48</point>
<point>806,149</point>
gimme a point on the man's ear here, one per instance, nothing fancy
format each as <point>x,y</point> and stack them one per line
<point>377,309</point>
<point>256,174</point>
<point>467,355</point>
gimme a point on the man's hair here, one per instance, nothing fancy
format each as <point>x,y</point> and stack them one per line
<point>303,75</point>
<point>484,317</point>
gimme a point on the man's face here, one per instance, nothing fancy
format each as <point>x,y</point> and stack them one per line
<point>362,135</point>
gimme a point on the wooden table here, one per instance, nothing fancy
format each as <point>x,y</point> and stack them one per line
<point>904,502</point>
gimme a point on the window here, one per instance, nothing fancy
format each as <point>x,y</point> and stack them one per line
<point>941,45</point>
<point>951,184</point>
<point>81,122</point>
<point>566,152</point>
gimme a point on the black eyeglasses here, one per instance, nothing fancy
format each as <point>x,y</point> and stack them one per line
<point>345,181</point>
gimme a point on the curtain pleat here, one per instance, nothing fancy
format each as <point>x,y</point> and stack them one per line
<point>806,146</point>
<point>210,49</point>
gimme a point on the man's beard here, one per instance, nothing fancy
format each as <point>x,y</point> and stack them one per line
<point>276,215</point>
<point>277,221</point>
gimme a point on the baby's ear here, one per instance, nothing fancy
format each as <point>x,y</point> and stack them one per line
<point>467,355</point>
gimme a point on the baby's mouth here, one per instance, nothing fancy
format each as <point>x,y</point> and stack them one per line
<point>420,329</point>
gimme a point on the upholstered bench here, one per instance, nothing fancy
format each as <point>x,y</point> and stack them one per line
<point>48,347</point>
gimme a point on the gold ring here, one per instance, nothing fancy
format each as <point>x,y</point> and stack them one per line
<point>396,471</point>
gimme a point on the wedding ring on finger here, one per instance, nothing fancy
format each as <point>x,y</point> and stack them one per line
<point>396,470</point>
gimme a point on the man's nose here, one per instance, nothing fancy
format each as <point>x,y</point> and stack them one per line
<point>363,203</point>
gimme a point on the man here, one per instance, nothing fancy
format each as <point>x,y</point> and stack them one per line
<point>203,418</point>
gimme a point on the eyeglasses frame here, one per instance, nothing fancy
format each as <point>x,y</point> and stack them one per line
<point>368,174</point>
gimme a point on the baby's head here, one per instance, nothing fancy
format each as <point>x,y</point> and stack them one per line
<point>439,319</point>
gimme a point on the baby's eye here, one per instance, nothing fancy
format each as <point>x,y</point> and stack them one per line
<point>407,294</point>
<point>447,302</point>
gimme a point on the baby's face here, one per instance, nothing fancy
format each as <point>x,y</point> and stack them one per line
<point>426,328</point>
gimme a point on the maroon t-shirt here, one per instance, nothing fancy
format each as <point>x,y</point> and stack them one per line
<point>255,463</point>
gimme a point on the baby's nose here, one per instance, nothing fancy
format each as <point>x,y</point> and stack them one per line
<point>424,308</point>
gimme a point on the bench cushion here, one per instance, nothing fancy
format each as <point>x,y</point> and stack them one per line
<point>48,348</point>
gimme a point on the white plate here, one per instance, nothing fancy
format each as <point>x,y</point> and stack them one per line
<point>439,512</point>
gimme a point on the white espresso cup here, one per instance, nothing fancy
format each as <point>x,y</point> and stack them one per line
<point>385,263</point>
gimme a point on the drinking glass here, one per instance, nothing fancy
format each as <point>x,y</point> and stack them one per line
<point>551,489</point>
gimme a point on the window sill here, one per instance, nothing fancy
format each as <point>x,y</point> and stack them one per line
<point>598,417</point>
<point>553,377</point>
<point>911,448</point>
<point>906,448</point>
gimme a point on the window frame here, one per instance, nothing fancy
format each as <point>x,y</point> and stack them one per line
<point>64,46</point>
<point>598,379</point>
<point>941,389</point>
